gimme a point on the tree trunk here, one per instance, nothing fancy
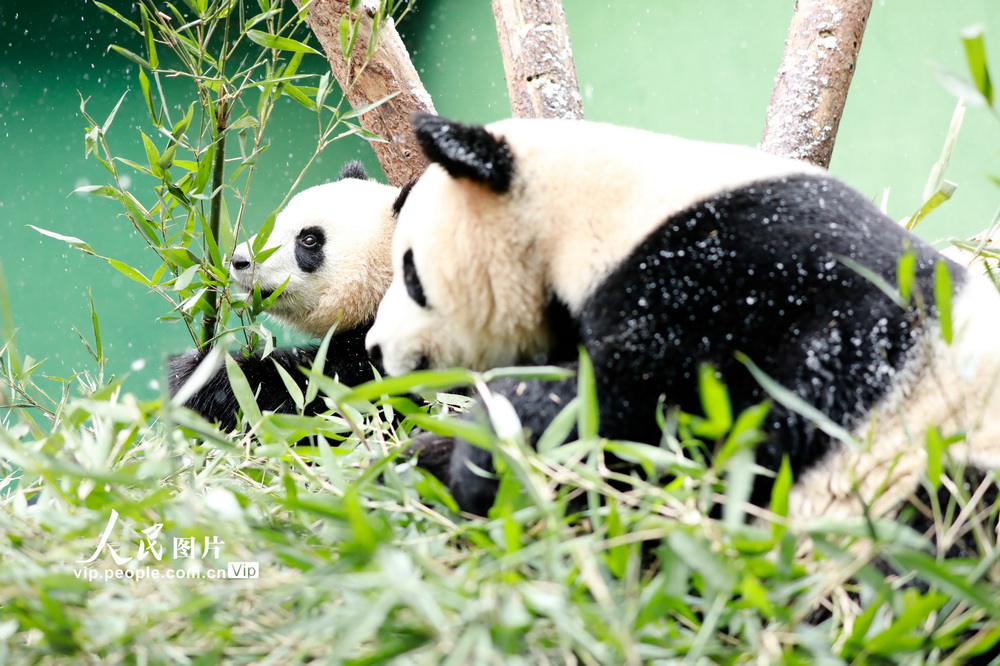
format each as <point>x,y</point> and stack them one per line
<point>538,59</point>
<point>815,75</point>
<point>366,81</point>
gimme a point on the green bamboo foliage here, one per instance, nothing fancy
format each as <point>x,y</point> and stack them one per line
<point>363,557</point>
<point>240,59</point>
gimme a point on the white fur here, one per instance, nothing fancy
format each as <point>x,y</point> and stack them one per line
<point>356,217</point>
<point>555,232</point>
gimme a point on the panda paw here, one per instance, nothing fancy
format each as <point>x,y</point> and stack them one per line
<point>434,453</point>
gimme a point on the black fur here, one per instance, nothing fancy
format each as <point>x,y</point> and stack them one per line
<point>346,359</point>
<point>309,255</point>
<point>754,270</point>
<point>757,271</point>
<point>465,151</point>
<point>411,278</point>
<point>353,169</point>
<point>397,205</point>
<point>563,331</point>
<point>454,462</point>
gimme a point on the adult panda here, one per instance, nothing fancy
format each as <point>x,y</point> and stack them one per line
<point>658,254</point>
<point>333,245</point>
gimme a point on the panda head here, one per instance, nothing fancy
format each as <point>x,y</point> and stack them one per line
<point>333,245</point>
<point>515,217</point>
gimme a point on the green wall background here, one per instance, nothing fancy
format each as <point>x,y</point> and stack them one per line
<point>699,69</point>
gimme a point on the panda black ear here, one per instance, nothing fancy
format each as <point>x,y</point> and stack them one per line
<point>465,151</point>
<point>353,169</point>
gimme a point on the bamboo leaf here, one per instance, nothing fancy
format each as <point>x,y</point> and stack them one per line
<point>790,401</point>
<point>270,41</point>
<point>167,158</point>
<point>99,190</point>
<point>319,361</point>
<point>942,299</point>
<point>975,54</point>
<point>540,372</point>
<point>715,402</point>
<point>472,433</point>
<point>260,240</point>
<point>128,271</point>
<point>251,22</point>
<point>558,431</point>
<point>242,392</point>
<point>696,554</point>
<point>184,280</point>
<point>344,31</point>
<point>152,155</point>
<point>244,122</point>
<point>944,192</point>
<point>421,380</point>
<point>204,170</point>
<point>588,417</point>
<point>98,346</point>
<point>118,16</point>
<point>293,389</point>
<point>322,90</point>
<point>874,278</point>
<point>906,271</point>
<point>111,116</point>
<point>779,497</point>
<point>147,30</point>
<point>936,176</point>
<point>293,66</point>
<point>135,165</point>
<point>148,96</point>
<point>936,446</point>
<point>938,574</point>
<point>960,87</point>
<point>354,113</point>
<point>72,240</point>
<point>202,374</point>
<point>137,59</point>
<point>295,93</point>
<point>182,125</point>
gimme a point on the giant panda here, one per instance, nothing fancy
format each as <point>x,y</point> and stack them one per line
<point>657,254</point>
<point>334,251</point>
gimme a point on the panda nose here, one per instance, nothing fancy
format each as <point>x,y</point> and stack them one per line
<point>375,354</point>
<point>239,262</point>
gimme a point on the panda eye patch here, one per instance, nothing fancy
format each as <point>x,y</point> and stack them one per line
<point>311,238</point>
<point>412,280</point>
<point>309,249</point>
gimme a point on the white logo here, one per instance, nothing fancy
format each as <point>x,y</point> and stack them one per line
<point>183,547</point>
<point>147,546</point>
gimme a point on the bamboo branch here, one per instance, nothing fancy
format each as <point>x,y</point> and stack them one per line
<point>215,210</point>
<point>814,77</point>
<point>366,81</point>
<point>538,59</point>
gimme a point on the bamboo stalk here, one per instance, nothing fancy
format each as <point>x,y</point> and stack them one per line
<point>538,59</point>
<point>815,74</point>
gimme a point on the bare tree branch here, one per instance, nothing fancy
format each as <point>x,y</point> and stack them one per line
<point>538,59</point>
<point>388,71</point>
<point>815,75</point>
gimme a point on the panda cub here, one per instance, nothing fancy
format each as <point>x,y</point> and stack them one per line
<point>526,238</point>
<point>334,243</point>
